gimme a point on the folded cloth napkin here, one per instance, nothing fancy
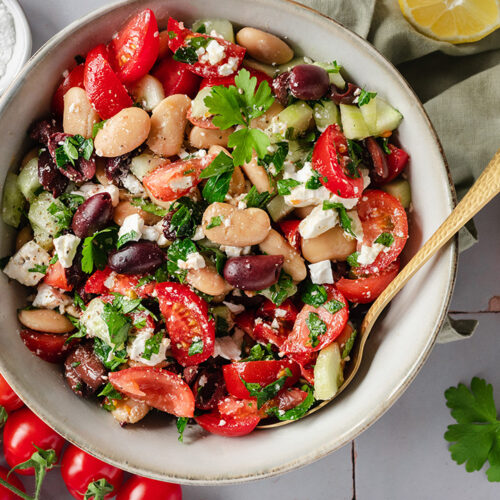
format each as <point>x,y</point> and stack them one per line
<point>458,85</point>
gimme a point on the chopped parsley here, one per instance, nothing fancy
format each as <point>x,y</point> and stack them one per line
<point>110,357</point>
<point>260,353</point>
<point>186,218</point>
<point>179,250</point>
<point>216,256</point>
<point>215,221</point>
<point>263,394</point>
<point>152,346</point>
<point>219,174</point>
<point>73,148</point>
<point>314,181</point>
<point>365,97</point>
<point>196,347</point>
<point>313,294</point>
<point>280,291</point>
<point>386,239</point>
<point>118,325</point>
<point>96,248</point>
<point>254,199</point>
<point>384,144</point>
<point>286,185</point>
<point>355,154</point>
<point>38,268</point>
<point>345,220</point>
<point>96,127</point>
<point>126,238</point>
<point>316,327</point>
<point>352,260</point>
<point>298,411</point>
<point>273,163</point>
<point>181,426</point>
<point>186,55</point>
<point>333,306</point>
<point>149,207</point>
<point>78,301</point>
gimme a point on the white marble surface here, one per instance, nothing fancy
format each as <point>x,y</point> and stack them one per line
<point>403,455</point>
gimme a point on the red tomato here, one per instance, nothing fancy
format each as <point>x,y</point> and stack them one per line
<point>204,69</point>
<point>284,400</point>
<point>396,162</point>
<point>74,79</point>
<point>199,121</point>
<point>299,341</point>
<point>306,361</point>
<point>143,488</point>
<point>245,321</point>
<point>56,277</point>
<point>186,318</point>
<point>264,332</point>
<point>286,312</point>
<point>104,89</point>
<point>22,431</point>
<point>284,315</point>
<point>135,48</point>
<point>176,77</point>
<point>8,398</point>
<point>259,372</point>
<point>6,494</point>
<point>79,469</point>
<point>101,283</point>
<point>379,213</point>
<point>215,423</point>
<point>163,50</point>
<point>158,388</point>
<point>290,228</point>
<point>162,181</point>
<point>330,158</point>
<point>367,289</point>
<point>47,346</point>
<point>227,81</point>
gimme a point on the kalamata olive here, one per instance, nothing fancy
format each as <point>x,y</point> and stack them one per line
<point>380,168</point>
<point>137,258</point>
<point>84,371</point>
<point>50,176</point>
<point>343,96</point>
<point>117,167</point>
<point>42,130</point>
<point>280,87</point>
<point>253,272</point>
<point>168,231</point>
<point>308,82</point>
<point>93,215</point>
<point>209,388</point>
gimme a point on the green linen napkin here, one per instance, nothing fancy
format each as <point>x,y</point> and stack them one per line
<point>458,85</point>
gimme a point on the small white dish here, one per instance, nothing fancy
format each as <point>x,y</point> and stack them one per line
<point>22,46</point>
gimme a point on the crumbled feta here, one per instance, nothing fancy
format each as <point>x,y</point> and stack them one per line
<point>92,320</point>
<point>356,226</point>
<point>150,233</point>
<point>228,68</point>
<point>132,184</point>
<point>235,251</point>
<point>300,196</point>
<point>367,255</point>
<point>234,308</point>
<point>318,222</point>
<point>227,348</point>
<point>194,261</point>
<point>277,127</point>
<point>137,345</point>
<point>348,203</point>
<point>366,177</point>
<point>134,225</point>
<point>26,258</point>
<point>321,272</point>
<point>198,234</point>
<point>214,52</point>
<point>65,247</point>
<point>182,183</point>
<point>90,189</point>
<point>280,313</point>
<point>275,324</point>
<point>48,297</point>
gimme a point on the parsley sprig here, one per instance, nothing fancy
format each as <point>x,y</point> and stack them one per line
<point>263,394</point>
<point>73,148</point>
<point>237,105</point>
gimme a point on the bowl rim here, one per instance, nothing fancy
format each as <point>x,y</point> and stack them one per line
<point>314,455</point>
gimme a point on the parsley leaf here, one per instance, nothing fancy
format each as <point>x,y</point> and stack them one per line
<point>110,392</point>
<point>333,306</point>
<point>186,218</point>
<point>38,268</point>
<point>179,250</point>
<point>186,55</point>
<point>260,353</point>
<point>124,304</point>
<point>78,301</point>
<point>125,238</point>
<point>281,290</point>
<point>196,347</point>
<point>263,394</point>
<point>313,182</point>
<point>95,249</point>
<point>316,327</point>
<point>286,185</point>
<point>313,294</point>
<point>219,174</point>
<point>224,103</point>
<point>118,325</point>
<point>216,256</point>
<point>152,346</point>
<point>352,260</point>
<point>149,207</point>
<point>221,164</point>
<point>215,221</point>
<point>96,127</point>
<point>62,214</point>
<point>345,220</point>
<point>273,163</point>
<point>349,344</point>
<point>365,97</point>
<point>355,154</point>
<point>298,411</point>
<point>476,435</point>
<point>181,426</point>
<point>384,143</point>
<point>73,148</point>
<point>386,239</point>
<point>245,141</point>
<point>110,357</point>
<point>254,199</point>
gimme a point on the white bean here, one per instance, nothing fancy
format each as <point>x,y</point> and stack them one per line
<point>79,116</point>
<point>263,46</point>
<point>148,91</point>
<point>45,320</point>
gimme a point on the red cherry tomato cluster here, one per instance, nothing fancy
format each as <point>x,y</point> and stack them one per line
<point>24,432</point>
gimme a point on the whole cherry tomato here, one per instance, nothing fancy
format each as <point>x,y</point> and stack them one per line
<point>6,494</point>
<point>143,488</point>
<point>79,469</point>
<point>22,432</point>
<point>8,398</point>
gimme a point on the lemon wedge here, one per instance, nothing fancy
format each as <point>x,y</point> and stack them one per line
<point>454,21</point>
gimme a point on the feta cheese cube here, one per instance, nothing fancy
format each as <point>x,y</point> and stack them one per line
<point>228,68</point>
<point>151,233</point>
<point>194,261</point>
<point>321,272</point>
<point>368,254</point>
<point>137,346</point>
<point>26,258</point>
<point>65,247</point>
<point>48,297</point>
<point>348,203</point>
<point>132,184</point>
<point>198,234</point>
<point>227,348</point>
<point>90,189</point>
<point>92,320</point>
<point>214,53</point>
<point>134,225</point>
<point>318,222</point>
<point>231,251</point>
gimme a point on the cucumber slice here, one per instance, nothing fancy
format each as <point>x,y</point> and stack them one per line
<point>278,209</point>
<point>325,113</point>
<point>265,68</point>
<point>380,116</point>
<point>353,122</point>
<point>198,107</point>
<point>223,320</point>
<point>142,164</point>
<point>222,26</point>
<point>294,62</point>
<point>28,179</point>
<point>335,78</point>
<point>13,201</point>
<point>44,239</point>
<point>369,112</point>
<point>400,189</point>
<point>41,218</point>
<point>296,116</point>
<point>328,372</point>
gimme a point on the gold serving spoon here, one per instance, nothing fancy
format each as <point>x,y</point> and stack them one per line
<point>483,191</point>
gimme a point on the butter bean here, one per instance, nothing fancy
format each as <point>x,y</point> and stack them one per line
<point>129,411</point>
<point>203,138</point>
<point>331,245</point>
<point>168,123</point>
<point>125,208</point>
<point>239,228</point>
<point>294,265</point>
<point>263,121</point>
<point>100,172</point>
<point>148,91</point>
<point>209,281</point>
<point>122,133</point>
<point>263,46</point>
<point>79,116</point>
<point>257,175</point>
<point>45,320</point>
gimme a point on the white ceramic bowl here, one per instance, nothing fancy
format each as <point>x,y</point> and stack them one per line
<point>399,345</point>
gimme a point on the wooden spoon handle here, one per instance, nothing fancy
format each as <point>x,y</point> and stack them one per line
<point>484,189</point>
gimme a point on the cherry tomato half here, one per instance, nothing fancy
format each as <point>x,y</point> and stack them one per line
<point>74,79</point>
<point>176,77</point>
<point>79,469</point>
<point>380,213</point>
<point>143,488</point>
<point>105,281</point>
<point>203,67</point>
<point>367,289</point>
<point>6,494</point>
<point>290,228</point>
<point>22,431</point>
<point>50,347</point>
<point>258,372</point>
<point>171,181</point>
<point>8,398</point>
<point>227,81</point>
<point>56,277</point>
<point>134,50</point>
<point>186,318</point>
<point>158,388</point>
<point>396,161</point>
<point>306,361</point>
<point>104,89</point>
<point>316,327</point>
<point>330,159</point>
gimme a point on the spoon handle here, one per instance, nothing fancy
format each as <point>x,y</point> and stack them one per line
<point>484,190</point>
